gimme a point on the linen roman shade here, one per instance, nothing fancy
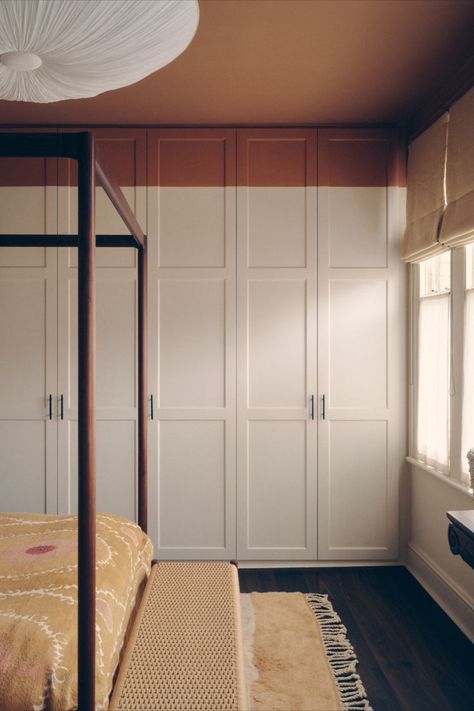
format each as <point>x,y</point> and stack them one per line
<point>425,192</point>
<point>458,222</point>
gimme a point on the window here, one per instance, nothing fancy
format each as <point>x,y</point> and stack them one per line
<point>444,362</point>
<point>440,216</point>
<point>433,367</point>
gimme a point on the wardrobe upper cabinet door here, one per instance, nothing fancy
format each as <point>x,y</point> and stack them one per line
<point>191,229</point>
<point>361,343</point>
<point>122,154</point>
<point>276,336</point>
<point>28,341</point>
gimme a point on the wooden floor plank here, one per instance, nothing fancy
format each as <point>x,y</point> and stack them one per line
<point>412,657</point>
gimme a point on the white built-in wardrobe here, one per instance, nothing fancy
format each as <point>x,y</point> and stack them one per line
<point>276,341</point>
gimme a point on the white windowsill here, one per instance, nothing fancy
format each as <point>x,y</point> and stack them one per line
<point>442,477</point>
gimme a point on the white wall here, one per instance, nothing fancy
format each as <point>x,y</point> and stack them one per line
<point>448,579</point>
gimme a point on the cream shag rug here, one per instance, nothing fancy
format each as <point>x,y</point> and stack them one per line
<point>297,655</point>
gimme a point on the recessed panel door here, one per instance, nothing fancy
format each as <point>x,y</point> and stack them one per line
<point>276,336</point>
<point>123,152</point>
<point>28,364</point>
<point>361,344</point>
<point>191,218</point>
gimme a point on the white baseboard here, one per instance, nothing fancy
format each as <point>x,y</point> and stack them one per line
<point>318,563</point>
<point>450,597</point>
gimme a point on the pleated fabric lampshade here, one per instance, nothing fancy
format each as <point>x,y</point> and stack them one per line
<point>51,50</point>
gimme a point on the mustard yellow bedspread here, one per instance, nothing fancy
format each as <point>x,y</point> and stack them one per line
<point>38,606</point>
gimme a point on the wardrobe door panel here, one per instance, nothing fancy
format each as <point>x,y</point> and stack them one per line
<point>27,436</point>
<point>115,487</point>
<point>192,485</point>
<point>23,316</point>
<point>276,336</point>
<point>28,201</point>
<point>274,167</point>
<point>357,227</point>
<point>358,345</point>
<point>360,170</point>
<point>277,342</point>
<point>191,218</point>
<point>279,212</point>
<point>115,339</point>
<point>116,390</point>
<point>191,204</point>
<point>277,484</point>
<point>361,343</point>
<point>358,457</point>
<point>28,338</point>
<point>192,343</point>
<point>192,225</point>
<point>24,468</point>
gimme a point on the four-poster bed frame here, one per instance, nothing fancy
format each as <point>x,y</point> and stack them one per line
<point>80,147</point>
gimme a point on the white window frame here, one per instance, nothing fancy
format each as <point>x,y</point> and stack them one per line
<point>468,294</point>
<point>458,291</point>
<point>457,313</point>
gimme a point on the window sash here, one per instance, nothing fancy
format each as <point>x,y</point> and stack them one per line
<point>459,379</point>
<point>468,385</point>
<point>432,428</point>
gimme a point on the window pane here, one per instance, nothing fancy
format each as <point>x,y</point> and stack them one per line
<point>433,382</point>
<point>468,389</point>
<point>435,275</point>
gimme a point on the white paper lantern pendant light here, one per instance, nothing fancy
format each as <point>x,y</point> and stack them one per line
<point>51,50</point>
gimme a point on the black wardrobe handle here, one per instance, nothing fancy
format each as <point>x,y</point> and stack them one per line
<point>311,407</point>
<point>152,413</point>
<point>50,407</point>
<point>324,407</point>
<point>61,400</point>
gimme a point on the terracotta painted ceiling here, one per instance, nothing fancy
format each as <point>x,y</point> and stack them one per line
<point>289,61</point>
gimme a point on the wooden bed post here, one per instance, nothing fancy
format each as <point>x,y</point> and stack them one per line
<point>86,424</point>
<point>142,387</point>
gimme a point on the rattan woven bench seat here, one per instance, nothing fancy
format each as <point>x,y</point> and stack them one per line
<point>185,649</point>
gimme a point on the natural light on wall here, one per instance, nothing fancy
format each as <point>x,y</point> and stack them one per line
<point>432,441</point>
<point>468,386</point>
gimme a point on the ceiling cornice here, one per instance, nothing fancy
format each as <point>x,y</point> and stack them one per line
<point>442,100</point>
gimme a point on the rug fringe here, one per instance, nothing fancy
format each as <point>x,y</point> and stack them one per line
<point>341,655</point>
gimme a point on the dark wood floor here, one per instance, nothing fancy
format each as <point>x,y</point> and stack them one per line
<point>411,656</point>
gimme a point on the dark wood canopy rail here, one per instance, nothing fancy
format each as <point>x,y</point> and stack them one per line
<point>80,147</point>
